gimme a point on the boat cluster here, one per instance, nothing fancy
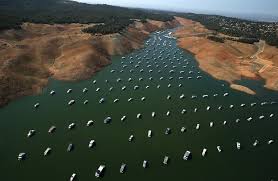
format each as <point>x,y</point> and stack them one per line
<point>155,64</point>
<point>146,163</point>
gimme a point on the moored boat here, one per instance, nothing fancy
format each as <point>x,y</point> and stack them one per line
<point>100,171</point>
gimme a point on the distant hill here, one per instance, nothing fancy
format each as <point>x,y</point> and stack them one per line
<point>14,12</point>
<point>247,31</point>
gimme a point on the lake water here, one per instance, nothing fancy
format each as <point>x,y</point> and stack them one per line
<point>161,55</point>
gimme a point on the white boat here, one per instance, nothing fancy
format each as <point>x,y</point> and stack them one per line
<point>271,115</point>
<point>107,120</point>
<point>31,133</point>
<point>100,171</point>
<point>242,105</point>
<point>69,91</point>
<point>253,104</point>
<point>256,143</point>
<point>168,113</point>
<point>264,103</point>
<point>101,100</point>
<point>182,96</point>
<point>130,99</point>
<point>204,152</point>
<point>139,116</point>
<point>85,90</point>
<point>52,129</point>
<point>183,111</point>
<point>123,118</point>
<point>21,156</point>
<point>98,89</point>
<point>225,122</point>
<point>52,92</point>
<point>158,86</point>
<point>211,124</point>
<point>143,98</point>
<point>219,149</point>
<point>95,81</point>
<point>47,151</point>
<point>111,88</point>
<point>168,131</point>
<point>149,133</point>
<point>238,145</point>
<point>165,160</point>
<point>205,96</point>
<point>71,126</point>
<point>131,137</point>
<point>261,117</point>
<point>197,126</point>
<point>231,106</point>
<point>136,87</point>
<point>123,168</point>
<point>237,120</point>
<point>168,97</point>
<point>187,155</point>
<point>73,177</point>
<point>145,164</point>
<point>195,109</point>
<point>153,114</point>
<point>70,147</point>
<point>124,88</point>
<point>193,96</point>
<point>91,143</point>
<point>36,105</point>
<point>249,119</point>
<point>183,129</point>
<point>71,102</point>
<point>116,100</point>
<point>225,94</point>
<point>86,102</point>
<point>90,123</point>
<point>270,142</point>
<point>208,108</point>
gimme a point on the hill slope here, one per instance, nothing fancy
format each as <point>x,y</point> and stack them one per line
<point>42,39</point>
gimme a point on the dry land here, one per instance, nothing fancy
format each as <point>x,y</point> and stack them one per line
<point>231,60</point>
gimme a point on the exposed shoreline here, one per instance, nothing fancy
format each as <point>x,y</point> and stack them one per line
<point>229,61</point>
<point>63,52</point>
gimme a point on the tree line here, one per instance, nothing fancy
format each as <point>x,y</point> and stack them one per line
<point>246,31</point>
<point>14,12</point>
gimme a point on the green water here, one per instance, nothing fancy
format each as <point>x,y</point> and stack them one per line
<point>112,145</point>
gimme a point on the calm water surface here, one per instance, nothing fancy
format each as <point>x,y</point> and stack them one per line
<point>156,60</point>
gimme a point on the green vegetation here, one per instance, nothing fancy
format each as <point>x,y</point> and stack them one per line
<point>216,39</point>
<point>14,12</point>
<point>112,26</point>
<point>246,31</point>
